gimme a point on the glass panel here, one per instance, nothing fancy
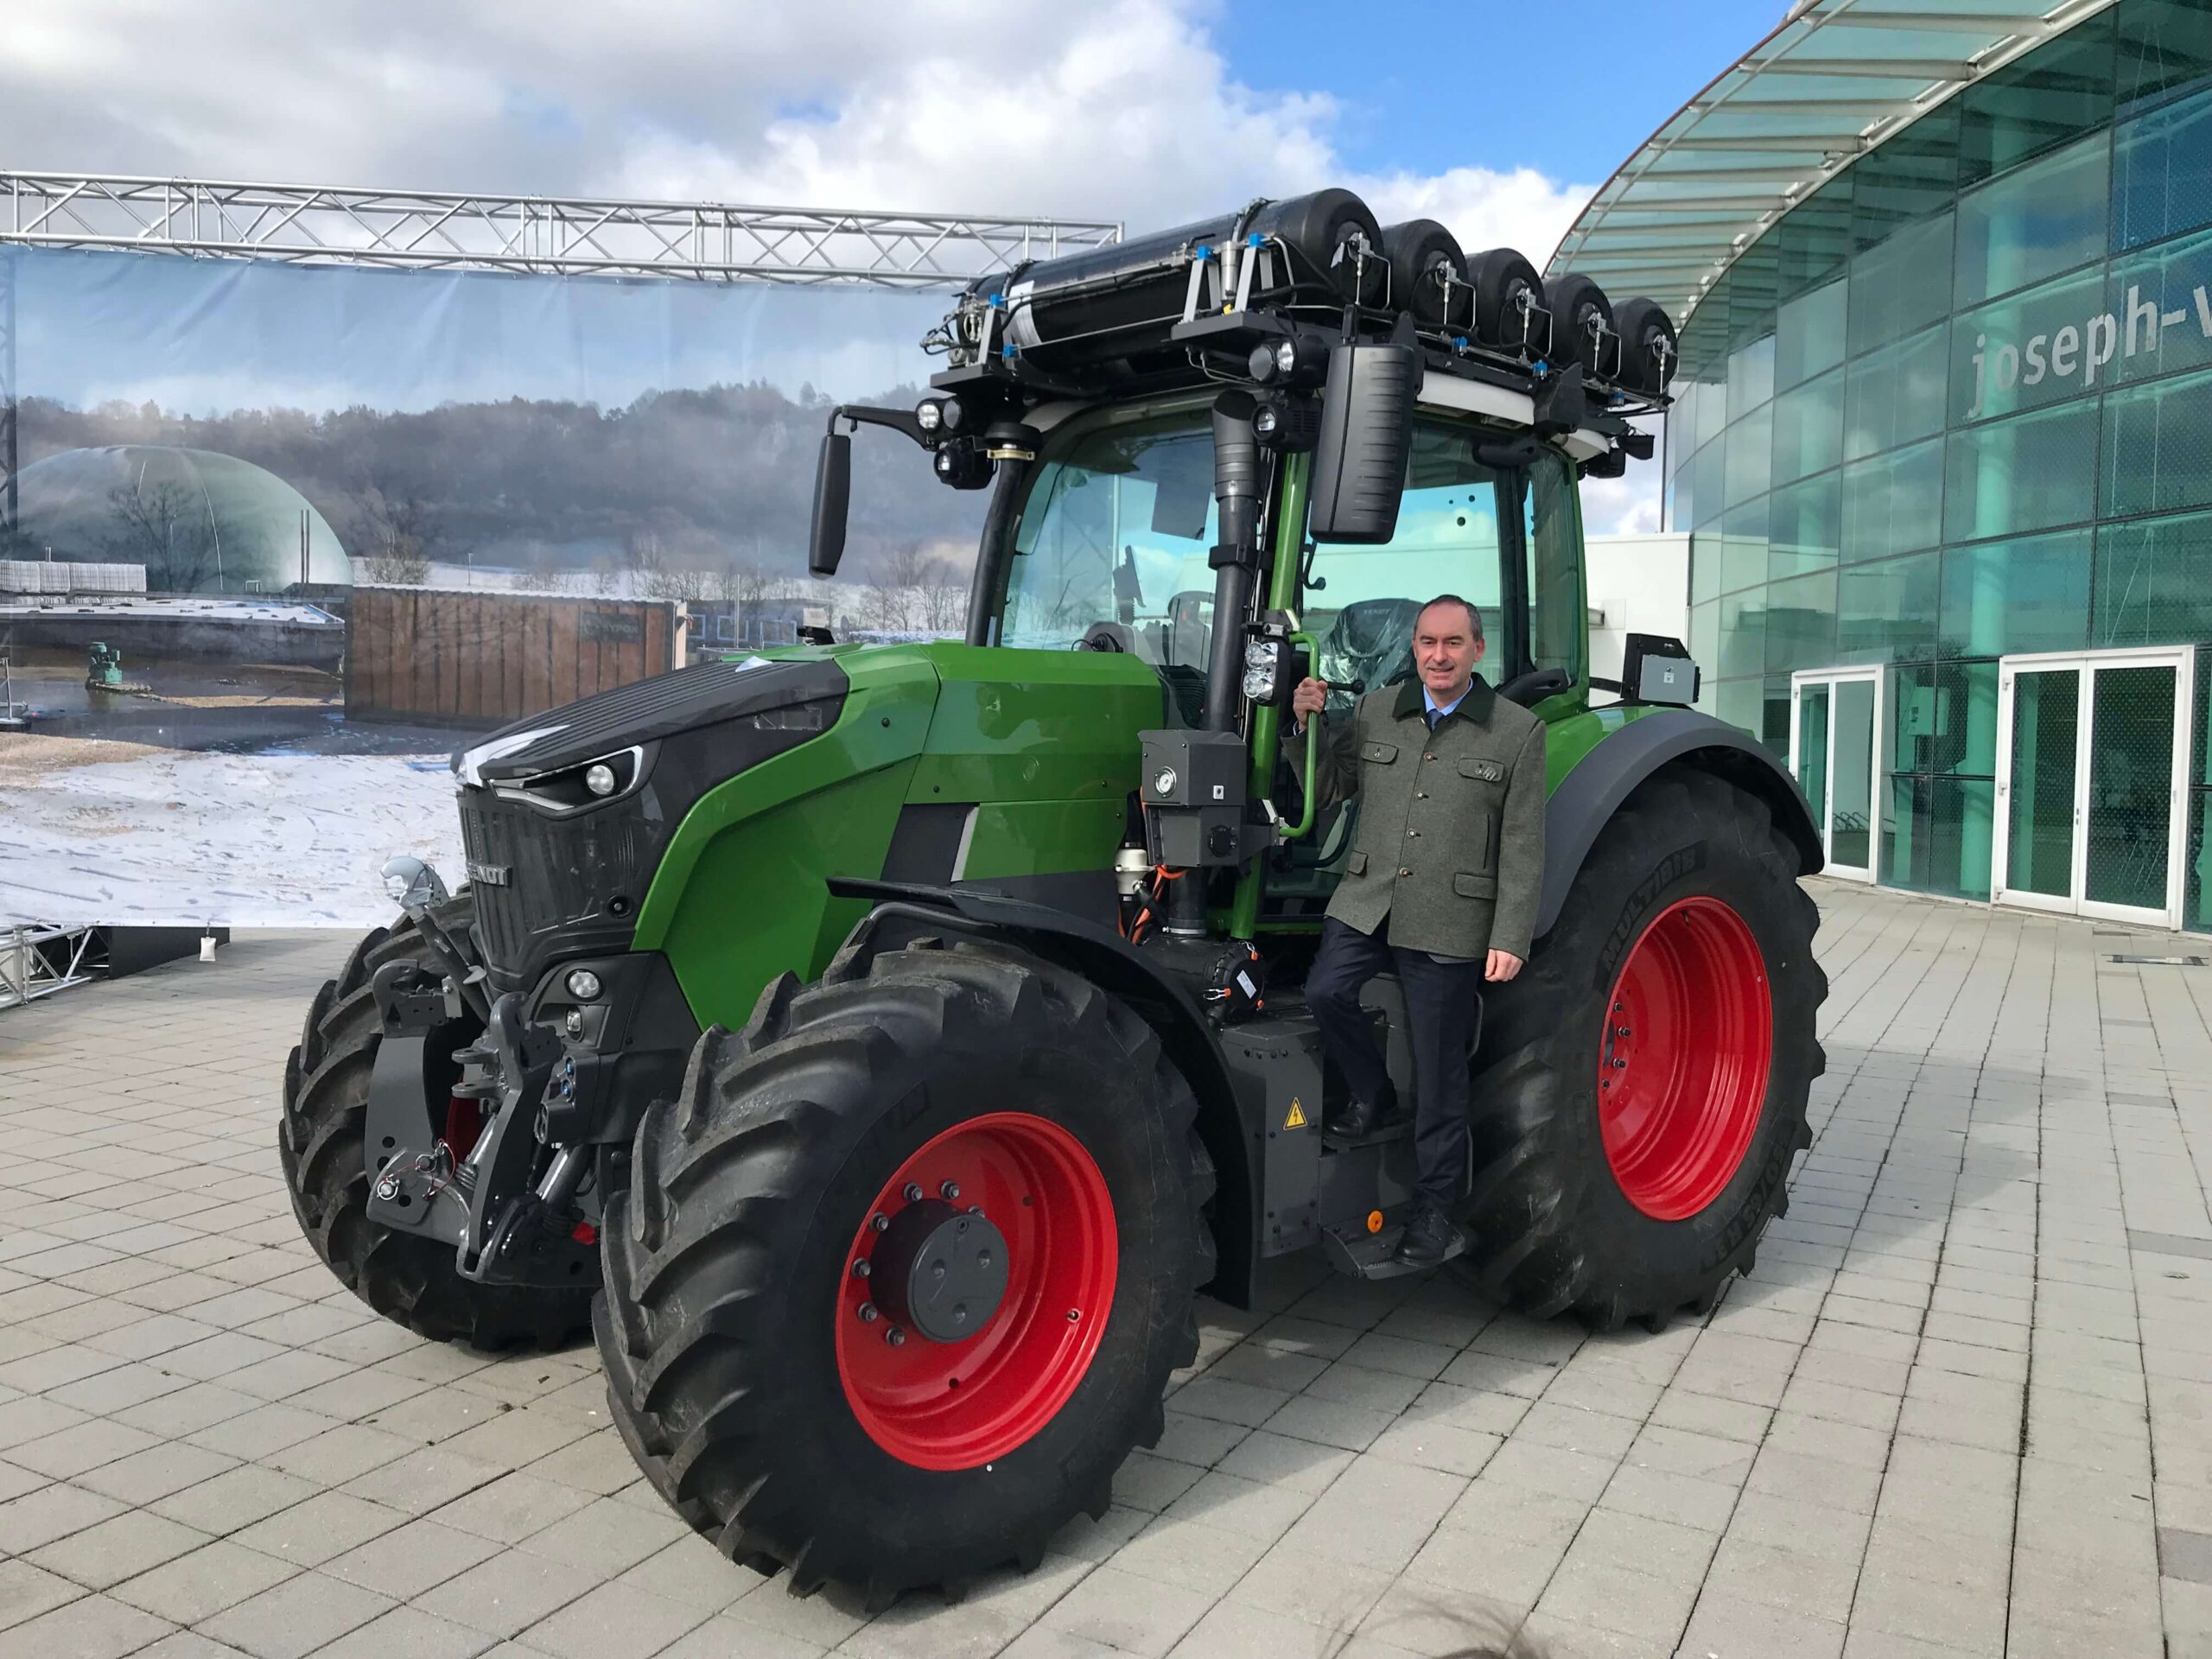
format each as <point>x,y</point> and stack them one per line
<point>1751,376</point>
<point>1705,637</point>
<point>1751,443</point>
<point>1774,734</point>
<point>1706,490</point>
<point>2034,348</point>
<point>1904,284</point>
<point>1809,245</point>
<point>1944,718</point>
<point>1896,394</point>
<point>1885,612</point>
<point>1115,528</point>
<point>2028,473</point>
<point>1808,428</point>
<point>2033,223</point>
<point>1712,408</point>
<point>2162,172</point>
<point>2162,44</point>
<point>1800,623</point>
<point>1705,566</point>
<point>1813,747</point>
<point>2161,315</point>
<point>1900,857</point>
<point>1808,333</point>
<point>2153,582</point>
<point>1741,703</point>
<point>2046,712</point>
<point>2027,595</point>
<point>1743,634</point>
<point>1805,526</point>
<point>2196,890</point>
<point>1893,504</point>
<point>1851,805</point>
<point>1913,175</point>
<point>1941,837</point>
<point>2157,456</point>
<point>1446,541</point>
<point>1743,547</point>
<point>2062,88</point>
<point>2130,785</point>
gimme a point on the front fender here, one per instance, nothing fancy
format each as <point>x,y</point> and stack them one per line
<point>1597,787</point>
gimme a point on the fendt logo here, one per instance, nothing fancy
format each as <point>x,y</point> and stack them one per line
<point>2063,354</point>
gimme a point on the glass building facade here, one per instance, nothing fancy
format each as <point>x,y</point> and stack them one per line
<point>1944,446</point>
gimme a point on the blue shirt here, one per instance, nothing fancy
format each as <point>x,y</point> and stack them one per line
<point>1438,710</point>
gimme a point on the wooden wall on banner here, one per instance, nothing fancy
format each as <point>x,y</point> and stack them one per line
<point>483,660</point>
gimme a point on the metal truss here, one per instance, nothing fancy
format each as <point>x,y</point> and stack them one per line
<point>37,960</point>
<point>571,236</point>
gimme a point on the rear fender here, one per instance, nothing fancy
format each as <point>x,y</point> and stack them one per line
<point>1109,962</point>
<point>1601,782</point>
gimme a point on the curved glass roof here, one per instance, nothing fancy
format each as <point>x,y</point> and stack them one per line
<point>1835,80</point>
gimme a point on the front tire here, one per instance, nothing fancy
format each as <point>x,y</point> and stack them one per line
<point>1642,1084</point>
<point>411,1281</point>
<point>753,1372</point>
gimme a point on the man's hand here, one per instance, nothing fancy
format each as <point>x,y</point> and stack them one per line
<point>1307,701</point>
<point>1501,967</point>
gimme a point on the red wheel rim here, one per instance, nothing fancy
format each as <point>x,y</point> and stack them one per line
<point>955,1405</point>
<point>1682,1067</point>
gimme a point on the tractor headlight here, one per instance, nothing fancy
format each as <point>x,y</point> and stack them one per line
<point>930,414</point>
<point>1262,662</point>
<point>598,777</point>
<point>571,789</point>
<point>584,985</point>
<point>1164,782</point>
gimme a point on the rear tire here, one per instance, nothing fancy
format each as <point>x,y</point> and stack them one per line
<point>733,1327</point>
<point>411,1281</point>
<point>1553,1223</point>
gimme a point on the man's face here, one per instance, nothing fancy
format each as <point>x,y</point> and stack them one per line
<point>1446,650</point>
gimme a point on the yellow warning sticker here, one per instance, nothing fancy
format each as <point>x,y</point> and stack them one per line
<point>1297,1118</point>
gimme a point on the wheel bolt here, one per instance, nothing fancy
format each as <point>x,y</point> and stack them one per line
<point>895,1337</point>
<point>882,1224</point>
<point>1620,1066</point>
<point>1620,1030</point>
<point>860,1269</point>
<point>914,1192</point>
<point>867,1313</point>
<point>1075,1315</point>
<point>951,1190</point>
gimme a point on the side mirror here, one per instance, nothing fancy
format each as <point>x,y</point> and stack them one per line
<point>833,494</point>
<point>1367,435</point>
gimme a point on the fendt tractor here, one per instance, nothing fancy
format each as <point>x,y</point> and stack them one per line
<point>880,1048</point>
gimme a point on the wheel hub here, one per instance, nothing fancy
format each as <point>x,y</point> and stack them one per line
<point>1683,1061</point>
<point>939,1271</point>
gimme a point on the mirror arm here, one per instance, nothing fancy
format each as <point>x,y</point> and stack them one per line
<point>898,420</point>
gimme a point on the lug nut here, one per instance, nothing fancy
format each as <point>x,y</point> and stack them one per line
<point>914,1192</point>
<point>951,1190</point>
<point>860,1269</point>
<point>867,1313</point>
<point>1620,1066</point>
<point>895,1337</point>
<point>882,1224</point>
<point>1075,1315</point>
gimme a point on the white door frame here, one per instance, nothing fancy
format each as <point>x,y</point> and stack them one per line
<point>1830,679</point>
<point>2085,665</point>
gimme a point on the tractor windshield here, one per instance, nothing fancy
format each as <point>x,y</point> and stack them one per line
<point>1113,537</point>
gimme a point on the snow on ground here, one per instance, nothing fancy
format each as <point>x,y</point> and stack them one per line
<point>183,838</point>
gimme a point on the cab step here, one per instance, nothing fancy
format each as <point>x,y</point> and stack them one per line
<point>1375,1256</point>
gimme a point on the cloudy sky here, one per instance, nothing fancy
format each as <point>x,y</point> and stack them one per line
<point>1497,119</point>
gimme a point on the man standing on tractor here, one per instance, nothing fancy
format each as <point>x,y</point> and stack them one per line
<point>1441,885</point>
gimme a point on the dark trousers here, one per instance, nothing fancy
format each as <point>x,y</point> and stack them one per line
<point>1443,1012</point>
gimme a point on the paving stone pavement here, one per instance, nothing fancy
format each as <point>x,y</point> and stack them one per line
<point>1960,1408</point>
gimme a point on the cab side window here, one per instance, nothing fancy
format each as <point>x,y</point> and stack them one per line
<point>1362,601</point>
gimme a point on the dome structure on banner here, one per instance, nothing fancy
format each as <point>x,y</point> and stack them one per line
<point>199,521</point>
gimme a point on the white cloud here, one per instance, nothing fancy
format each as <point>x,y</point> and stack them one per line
<point>1124,109</point>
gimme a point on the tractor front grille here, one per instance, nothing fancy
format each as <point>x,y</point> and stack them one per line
<point>547,887</point>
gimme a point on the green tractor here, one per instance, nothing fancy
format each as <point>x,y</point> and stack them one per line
<point>882,1048</point>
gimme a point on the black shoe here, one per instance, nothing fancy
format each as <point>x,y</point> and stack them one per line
<point>1430,1238</point>
<point>1361,1118</point>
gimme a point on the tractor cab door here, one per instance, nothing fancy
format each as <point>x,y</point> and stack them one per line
<point>1509,543</point>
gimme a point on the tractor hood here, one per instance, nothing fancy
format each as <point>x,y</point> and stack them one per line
<point>565,815</point>
<point>705,694</point>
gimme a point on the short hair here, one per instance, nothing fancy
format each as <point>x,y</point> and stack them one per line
<point>1474,616</point>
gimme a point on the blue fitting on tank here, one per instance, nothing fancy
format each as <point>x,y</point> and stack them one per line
<point>1007,352</point>
<point>1255,240</point>
<point>998,300</point>
<point>1202,251</point>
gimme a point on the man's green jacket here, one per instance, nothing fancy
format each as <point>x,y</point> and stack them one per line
<point>1449,844</point>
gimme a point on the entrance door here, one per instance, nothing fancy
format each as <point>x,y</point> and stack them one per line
<point>2091,753</point>
<point>1835,718</point>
